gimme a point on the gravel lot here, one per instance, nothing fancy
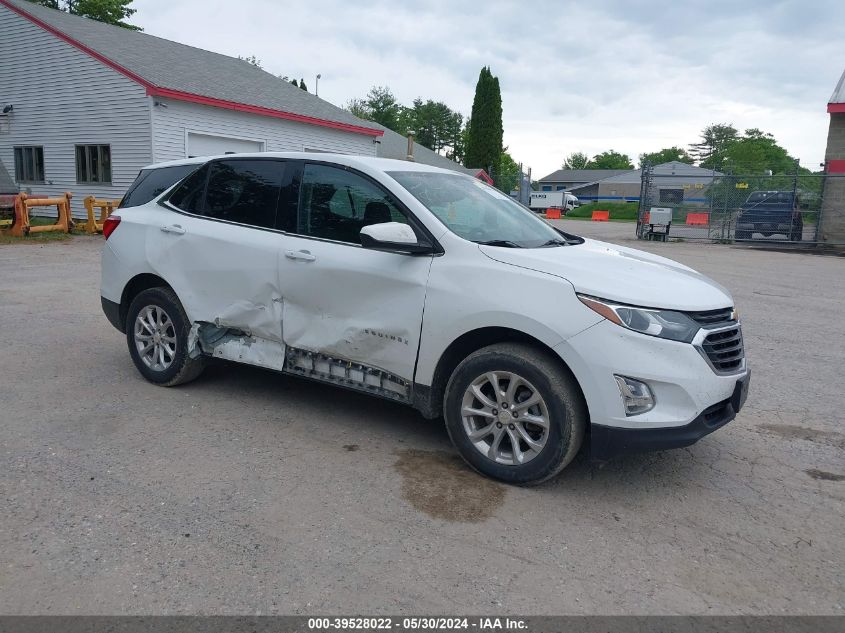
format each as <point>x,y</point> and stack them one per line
<point>248,492</point>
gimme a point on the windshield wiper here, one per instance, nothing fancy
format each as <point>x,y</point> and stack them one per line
<point>506,243</point>
<point>555,242</point>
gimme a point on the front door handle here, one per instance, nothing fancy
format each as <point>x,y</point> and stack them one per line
<point>303,256</point>
<point>173,228</point>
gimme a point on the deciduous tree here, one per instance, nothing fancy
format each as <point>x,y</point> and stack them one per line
<point>109,11</point>
<point>610,160</point>
<point>666,155</point>
<point>576,160</point>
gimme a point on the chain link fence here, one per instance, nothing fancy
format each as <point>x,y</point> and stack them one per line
<point>732,208</point>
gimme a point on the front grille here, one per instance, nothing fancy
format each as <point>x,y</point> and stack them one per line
<point>724,350</point>
<point>713,318</point>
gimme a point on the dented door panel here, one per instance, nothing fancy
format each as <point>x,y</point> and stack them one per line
<point>226,277</point>
<point>351,304</point>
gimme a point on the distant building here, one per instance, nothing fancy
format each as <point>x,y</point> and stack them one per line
<point>833,206</point>
<point>566,179</point>
<point>674,183</point>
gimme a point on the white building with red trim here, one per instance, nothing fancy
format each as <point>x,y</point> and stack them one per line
<point>88,104</point>
<point>832,225</point>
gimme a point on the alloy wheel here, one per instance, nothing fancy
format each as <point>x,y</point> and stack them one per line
<point>155,338</point>
<point>505,418</point>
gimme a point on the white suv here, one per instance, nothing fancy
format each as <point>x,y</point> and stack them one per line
<point>426,287</point>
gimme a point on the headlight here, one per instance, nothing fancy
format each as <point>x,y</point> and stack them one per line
<point>668,324</point>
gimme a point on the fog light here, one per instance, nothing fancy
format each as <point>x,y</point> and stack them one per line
<point>636,396</point>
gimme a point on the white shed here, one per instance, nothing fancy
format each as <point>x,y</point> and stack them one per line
<point>88,104</point>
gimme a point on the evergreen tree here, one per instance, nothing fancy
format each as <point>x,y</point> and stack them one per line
<point>484,134</point>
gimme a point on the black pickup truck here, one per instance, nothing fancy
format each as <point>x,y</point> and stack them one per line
<point>770,213</point>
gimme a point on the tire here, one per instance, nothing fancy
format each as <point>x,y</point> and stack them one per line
<point>180,368</point>
<point>537,372</point>
<point>742,235</point>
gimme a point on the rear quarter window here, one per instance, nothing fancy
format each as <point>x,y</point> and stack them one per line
<point>151,183</point>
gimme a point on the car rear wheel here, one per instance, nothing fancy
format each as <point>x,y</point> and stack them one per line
<point>157,334</point>
<point>515,413</point>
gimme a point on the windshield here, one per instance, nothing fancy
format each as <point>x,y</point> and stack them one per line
<point>477,212</point>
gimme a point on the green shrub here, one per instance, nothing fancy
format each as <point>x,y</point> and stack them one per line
<point>618,210</point>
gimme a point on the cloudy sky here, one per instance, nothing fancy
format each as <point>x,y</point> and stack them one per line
<point>634,75</point>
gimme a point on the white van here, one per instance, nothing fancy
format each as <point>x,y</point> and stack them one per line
<point>425,287</point>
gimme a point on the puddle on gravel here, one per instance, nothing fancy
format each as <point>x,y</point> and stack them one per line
<point>444,487</point>
<point>824,475</point>
<point>793,432</point>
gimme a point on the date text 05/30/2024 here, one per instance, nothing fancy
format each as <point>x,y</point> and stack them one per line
<point>417,623</point>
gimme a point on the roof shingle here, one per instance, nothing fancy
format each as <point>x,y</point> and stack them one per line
<point>186,69</point>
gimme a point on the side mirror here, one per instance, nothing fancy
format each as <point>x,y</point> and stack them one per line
<point>394,237</point>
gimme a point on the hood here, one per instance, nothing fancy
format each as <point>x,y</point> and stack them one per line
<point>620,274</point>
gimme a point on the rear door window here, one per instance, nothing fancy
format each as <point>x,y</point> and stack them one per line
<point>151,183</point>
<point>189,195</point>
<point>244,191</point>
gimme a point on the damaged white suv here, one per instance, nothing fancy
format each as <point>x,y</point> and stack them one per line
<point>426,287</point>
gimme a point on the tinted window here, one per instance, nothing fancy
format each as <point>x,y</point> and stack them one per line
<point>244,191</point>
<point>336,204</point>
<point>151,183</point>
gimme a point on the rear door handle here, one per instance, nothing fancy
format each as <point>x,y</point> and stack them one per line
<point>173,228</point>
<point>303,256</point>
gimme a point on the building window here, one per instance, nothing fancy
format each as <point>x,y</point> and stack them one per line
<point>29,164</point>
<point>560,188</point>
<point>672,196</point>
<point>547,187</point>
<point>93,163</point>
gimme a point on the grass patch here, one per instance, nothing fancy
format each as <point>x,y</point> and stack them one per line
<point>619,211</point>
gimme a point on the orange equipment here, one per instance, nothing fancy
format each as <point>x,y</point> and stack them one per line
<point>21,226</point>
<point>106,207</point>
<point>601,216</point>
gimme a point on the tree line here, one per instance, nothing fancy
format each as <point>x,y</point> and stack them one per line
<point>720,147</point>
<point>475,141</point>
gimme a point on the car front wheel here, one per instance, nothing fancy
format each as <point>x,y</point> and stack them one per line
<point>157,334</point>
<point>515,413</point>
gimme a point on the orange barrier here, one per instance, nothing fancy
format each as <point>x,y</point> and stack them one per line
<point>21,226</point>
<point>106,207</point>
<point>601,216</point>
<point>698,218</point>
<point>647,218</point>
<point>553,214</point>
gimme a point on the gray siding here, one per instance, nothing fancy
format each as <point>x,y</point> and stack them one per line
<point>171,125</point>
<point>63,97</point>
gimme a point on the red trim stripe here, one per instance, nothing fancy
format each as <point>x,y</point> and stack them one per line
<point>156,91</point>
<point>836,107</point>
<point>242,107</point>
<point>835,166</point>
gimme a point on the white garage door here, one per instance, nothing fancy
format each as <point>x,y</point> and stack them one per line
<point>208,145</point>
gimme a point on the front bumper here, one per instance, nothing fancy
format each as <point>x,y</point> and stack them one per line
<point>607,442</point>
<point>691,399</point>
